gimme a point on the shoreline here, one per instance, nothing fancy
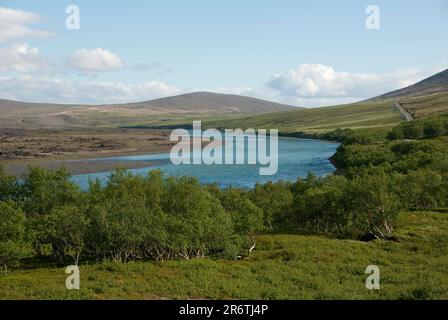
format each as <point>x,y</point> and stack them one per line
<point>81,166</point>
<point>76,149</point>
<point>89,162</point>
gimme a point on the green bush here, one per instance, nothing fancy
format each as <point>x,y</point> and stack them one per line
<point>322,208</point>
<point>13,244</point>
<point>247,218</point>
<point>64,229</point>
<point>136,217</point>
<point>44,190</point>
<point>424,189</point>
<point>152,217</point>
<point>275,199</point>
<point>10,188</point>
<point>421,129</point>
<point>374,205</point>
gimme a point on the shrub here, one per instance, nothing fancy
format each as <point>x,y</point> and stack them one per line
<point>412,130</point>
<point>44,190</point>
<point>322,209</point>
<point>373,204</point>
<point>396,134</point>
<point>198,225</point>
<point>433,128</point>
<point>13,245</point>
<point>424,189</point>
<point>9,187</point>
<point>247,218</point>
<point>275,199</point>
<point>65,230</point>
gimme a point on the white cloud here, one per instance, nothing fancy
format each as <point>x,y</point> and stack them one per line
<point>52,90</point>
<point>267,93</point>
<point>95,60</point>
<point>316,85</point>
<point>157,67</point>
<point>14,24</point>
<point>244,91</point>
<point>307,86</point>
<point>19,57</point>
<point>313,84</point>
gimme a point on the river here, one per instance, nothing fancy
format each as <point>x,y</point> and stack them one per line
<point>296,158</point>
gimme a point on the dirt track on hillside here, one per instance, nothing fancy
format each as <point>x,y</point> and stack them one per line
<point>405,113</point>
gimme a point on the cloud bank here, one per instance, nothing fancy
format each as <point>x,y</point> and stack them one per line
<point>14,24</point>
<point>157,67</point>
<point>316,83</point>
<point>19,57</point>
<point>54,90</point>
<point>308,86</point>
<point>95,60</point>
<point>27,75</point>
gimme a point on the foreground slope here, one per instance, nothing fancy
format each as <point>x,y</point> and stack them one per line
<point>281,267</point>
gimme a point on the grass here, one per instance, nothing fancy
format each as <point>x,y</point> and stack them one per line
<point>428,105</point>
<point>373,114</point>
<point>370,114</point>
<point>114,120</point>
<point>282,267</point>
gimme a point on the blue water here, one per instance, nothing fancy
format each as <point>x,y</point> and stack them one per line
<point>297,157</point>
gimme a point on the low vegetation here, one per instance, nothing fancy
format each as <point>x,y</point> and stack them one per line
<point>309,239</point>
<point>413,266</point>
<point>365,115</point>
<point>427,105</point>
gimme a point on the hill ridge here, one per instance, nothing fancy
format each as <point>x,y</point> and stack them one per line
<point>423,99</point>
<point>436,83</point>
<point>162,111</point>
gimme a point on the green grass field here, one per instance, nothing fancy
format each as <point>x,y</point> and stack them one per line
<point>427,105</point>
<point>380,114</point>
<point>282,267</point>
<point>112,120</point>
<point>370,114</point>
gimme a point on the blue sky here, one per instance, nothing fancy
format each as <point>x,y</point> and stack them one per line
<point>308,53</point>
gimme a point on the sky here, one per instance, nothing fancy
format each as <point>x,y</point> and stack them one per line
<point>304,53</point>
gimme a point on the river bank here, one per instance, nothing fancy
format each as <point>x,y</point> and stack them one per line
<point>74,148</point>
<point>88,151</point>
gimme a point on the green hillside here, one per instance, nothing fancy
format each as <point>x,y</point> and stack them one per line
<point>367,114</point>
<point>167,111</point>
<point>318,120</point>
<point>425,98</point>
<point>428,105</point>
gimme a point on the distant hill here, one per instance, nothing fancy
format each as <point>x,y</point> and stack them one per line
<point>435,84</point>
<point>213,102</point>
<point>164,111</point>
<point>423,99</point>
